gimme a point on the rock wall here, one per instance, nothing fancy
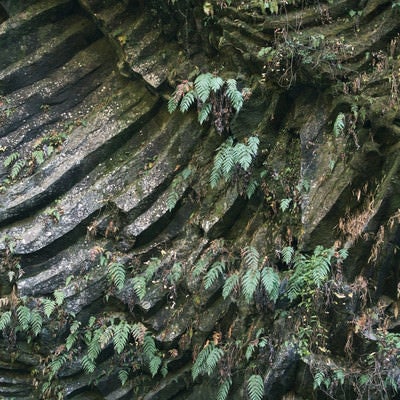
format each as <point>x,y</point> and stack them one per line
<point>116,251</point>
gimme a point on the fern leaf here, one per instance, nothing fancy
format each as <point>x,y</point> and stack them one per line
<point>339,124</point>
<point>200,267</point>
<point>11,159</point>
<point>36,322</point>
<point>107,334</point>
<point>285,203</point>
<point>38,156</point>
<point>223,390</point>
<point>318,379</point>
<point>149,346</point>
<point>17,168</point>
<point>213,358</point>
<point>202,85</point>
<point>255,387</point>
<point>152,266</point>
<point>59,296</point>
<point>24,317</point>
<point>139,286</point>
<point>250,281</point>
<point>251,188</point>
<point>199,366</point>
<point>271,283</point>
<point>217,269</point>
<point>172,103</point>
<point>234,95</point>
<point>123,376</point>
<point>216,83</point>
<point>5,320</point>
<point>175,274</point>
<point>116,273</point>
<point>121,335</point>
<point>187,100</point>
<point>204,112</point>
<point>287,254</point>
<point>88,364</point>
<point>242,156</point>
<point>73,335</point>
<point>138,332</point>
<point>56,365</point>
<point>251,257</point>
<point>172,199</point>
<point>154,365</point>
<point>230,284</point>
<point>253,143</point>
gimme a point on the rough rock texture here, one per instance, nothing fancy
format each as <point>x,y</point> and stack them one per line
<point>97,177</point>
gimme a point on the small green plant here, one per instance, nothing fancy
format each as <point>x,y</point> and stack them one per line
<point>255,387</point>
<point>214,96</point>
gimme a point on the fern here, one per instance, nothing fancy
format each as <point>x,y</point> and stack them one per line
<point>230,284</point>
<point>285,203</point>
<point>200,267</point>
<point>73,335</point>
<point>152,266</point>
<point>187,100</point>
<point>88,364</point>
<point>38,156</point>
<point>172,199</point>
<point>287,254</point>
<point>250,281</point>
<point>36,322</point>
<point>339,124</point>
<point>255,387</point>
<point>150,350</point>
<point>251,188</point>
<point>59,296</point>
<point>175,273</point>
<point>172,103</point>
<point>116,273</point>
<point>207,361</point>
<point>154,365</point>
<point>17,168</point>
<point>251,257</point>
<point>11,159</point>
<point>57,364</point>
<point>318,379</point>
<point>138,331</point>
<point>216,83</point>
<point>121,336</point>
<point>217,269</point>
<point>139,287</point>
<point>234,95</point>
<point>5,320</point>
<point>271,283</point>
<point>48,307</point>
<point>204,112</point>
<point>24,317</point>
<point>249,351</point>
<point>223,390</point>
<point>202,85</point>
<point>123,376</point>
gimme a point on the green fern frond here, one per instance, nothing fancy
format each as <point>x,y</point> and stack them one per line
<point>339,124</point>
<point>199,366</point>
<point>152,267</point>
<point>139,286</point>
<point>73,335</point>
<point>223,389</point>
<point>204,112</point>
<point>123,376</point>
<point>88,364</point>
<point>271,282</point>
<point>17,168</point>
<point>242,156</point>
<point>11,159</point>
<point>5,319</point>
<point>175,274</point>
<point>255,387</point>
<point>59,296</point>
<point>149,346</point>
<point>138,332</point>
<point>284,205</point>
<point>200,267</point>
<point>230,284</point>
<point>36,322</point>
<point>121,336</point>
<point>154,365</point>
<point>234,95</point>
<point>287,254</point>
<point>251,257</point>
<point>319,378</point>
<point>172,103</point>
<point>250,281</point>
<point>38,156</point>
<point>172,199</point>
<point>252,144</point>
<point>217,269</point>
<point>57,364</point>
<point>216,83</point>
<point>116,273</point>
<point>202,85</point>
<point>107,334</point>
<point>187,100</point>
<point>251,188</point>
<point>24,317</point>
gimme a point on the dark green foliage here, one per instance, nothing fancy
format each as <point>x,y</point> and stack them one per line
<point>255,387</point>
<point>216,270</point>
<point>5,319</point>
<point>24,317</point>
<point>223,389</point>
<point>250,282</point>
<point>339,124</point>
<point>150,353</point>
<point>271,282</point>
<point>11,159</point>
<point>123,376</point>
<point>139,286</point>
<point>231,283</point>
<point>116,274</point>
<point>121,335</point>
<point>207,361</point>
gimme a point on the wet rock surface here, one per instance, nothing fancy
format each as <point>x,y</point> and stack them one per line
<point>107,216</point>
